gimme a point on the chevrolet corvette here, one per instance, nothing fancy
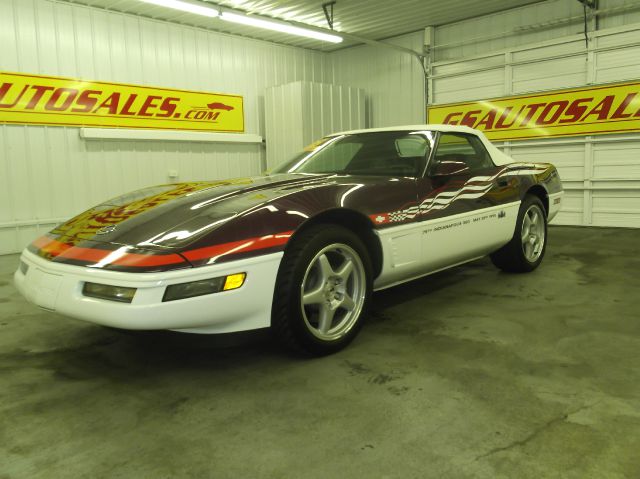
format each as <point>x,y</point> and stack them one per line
<point>301,249</point>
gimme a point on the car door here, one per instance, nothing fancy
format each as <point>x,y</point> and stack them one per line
<point>397,159</point>
<point>467,208</point>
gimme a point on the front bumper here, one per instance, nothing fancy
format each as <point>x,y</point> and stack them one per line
<point>58,287</point>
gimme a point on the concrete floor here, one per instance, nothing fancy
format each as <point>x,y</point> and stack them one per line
<point>469,373</point>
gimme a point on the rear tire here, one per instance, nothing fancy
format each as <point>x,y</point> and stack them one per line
<point>526,249</point>
<point>322,290</point>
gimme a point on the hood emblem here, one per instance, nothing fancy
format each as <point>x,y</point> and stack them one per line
<point>106,230</point>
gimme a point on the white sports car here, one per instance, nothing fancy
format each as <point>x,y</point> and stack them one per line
<point>299,250</point>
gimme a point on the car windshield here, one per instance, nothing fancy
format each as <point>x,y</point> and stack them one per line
<point>381,153</point>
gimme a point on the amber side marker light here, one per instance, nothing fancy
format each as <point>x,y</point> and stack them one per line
<point>234,281</point>
<point>202,287</point>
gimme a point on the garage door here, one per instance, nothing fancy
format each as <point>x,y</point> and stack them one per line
<point>601,173</point>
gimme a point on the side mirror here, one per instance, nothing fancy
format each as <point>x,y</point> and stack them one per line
<point>449,167</point>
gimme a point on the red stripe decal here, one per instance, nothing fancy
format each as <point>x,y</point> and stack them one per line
<point>242,246</point>
<point>55,249</point>
<point>120,257</point>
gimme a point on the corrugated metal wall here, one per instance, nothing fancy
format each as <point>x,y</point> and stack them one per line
<point>532,49</point>
<point>296,114</point>
<point>393,81</point>
<point>48,173</point>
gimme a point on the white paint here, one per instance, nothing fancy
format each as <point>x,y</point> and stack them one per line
<point>416,249</point>
<point>477,234</point>
<point>58,287</point>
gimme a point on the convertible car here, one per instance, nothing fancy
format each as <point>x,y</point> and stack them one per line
<point>298,250</point>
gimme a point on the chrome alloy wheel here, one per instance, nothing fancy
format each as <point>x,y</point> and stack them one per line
<point>533,233</point>
<point>333,292</point>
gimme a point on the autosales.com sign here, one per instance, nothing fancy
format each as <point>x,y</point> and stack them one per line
<point>585,111</point>
<point>46,100</point>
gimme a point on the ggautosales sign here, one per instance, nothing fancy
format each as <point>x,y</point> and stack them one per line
<point>593,110</point>
<point>46,100</point>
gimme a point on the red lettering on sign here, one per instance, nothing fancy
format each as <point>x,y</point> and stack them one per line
<point>448,120</point>
<point>111,103</point>
<point>602,109</point>
<point>168,106</point>
<point>532,111</point>
<point>37,96</point>
<point>559,107</point>
<point>86,100</point>
<point>469,119</point>
<point>148,103</point>
<point>575,110</point>
<point>125,109</point>
<point>619,113</point>
<point>70,93</point>
<point>505,114</point>
<point>487,120</point>
<point>4,89</point>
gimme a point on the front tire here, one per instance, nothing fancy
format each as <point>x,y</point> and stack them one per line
<point>322,290</point>
<point>526,249</point>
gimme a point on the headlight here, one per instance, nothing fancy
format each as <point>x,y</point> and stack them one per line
<point>205,286</point>
<point>111,293</point>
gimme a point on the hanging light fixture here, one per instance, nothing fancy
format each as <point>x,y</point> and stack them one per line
<point>185,7</point>
<point>249,20</point>
<point>253,21</point>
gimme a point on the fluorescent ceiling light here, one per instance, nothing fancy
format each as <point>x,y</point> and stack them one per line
<point>279,27</point>
<point>185,7</point>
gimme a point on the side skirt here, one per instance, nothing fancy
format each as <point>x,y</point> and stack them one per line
<point>402,281</point>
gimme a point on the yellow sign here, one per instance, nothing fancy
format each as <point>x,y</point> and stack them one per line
<point>581,111</point>
<point>45,100</point>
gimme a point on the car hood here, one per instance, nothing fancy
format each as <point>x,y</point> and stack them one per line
<point>173,216</point>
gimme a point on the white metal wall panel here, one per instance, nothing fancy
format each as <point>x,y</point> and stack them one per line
<point>492,32</point>
<point>462,87</point>
<point>560,65</point>
<point>393,81</point>
<point>330,108</point>
<point>617,56</point>
<point>617,161</point>
<point>601,174</point>
<point>49,173</point>
<point>616,180</point>
<point>616,207</point>
<point>572,212</point>
<point>283,116</point>
<point>620,18</point>
<point>296,114</point>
